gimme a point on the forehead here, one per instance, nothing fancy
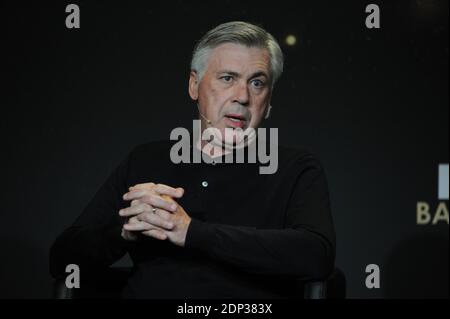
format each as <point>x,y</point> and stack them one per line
<point>239,58</point>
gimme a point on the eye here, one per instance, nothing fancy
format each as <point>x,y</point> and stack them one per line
<point>258,83</point>
<point>226,78</point>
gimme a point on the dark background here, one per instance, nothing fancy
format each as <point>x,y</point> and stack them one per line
<point>372,104</point>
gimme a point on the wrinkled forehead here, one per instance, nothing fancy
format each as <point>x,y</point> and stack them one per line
<point>239,58</point>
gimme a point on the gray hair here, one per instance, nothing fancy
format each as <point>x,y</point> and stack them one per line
<point>237,32</point>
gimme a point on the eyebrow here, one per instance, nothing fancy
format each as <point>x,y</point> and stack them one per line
<point>236,74</point>
<point>259,73</point>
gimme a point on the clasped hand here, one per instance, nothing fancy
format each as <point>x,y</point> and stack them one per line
<point>154,212</point>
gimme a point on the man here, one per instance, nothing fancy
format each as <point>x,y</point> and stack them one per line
<point>212,229</point>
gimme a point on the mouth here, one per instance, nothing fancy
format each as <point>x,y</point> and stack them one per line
<point>236,120</point>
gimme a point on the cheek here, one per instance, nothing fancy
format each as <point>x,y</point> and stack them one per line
<point>258,113</point>
<point>209,94</point>
<point>260,104</point>
<point>215,98</point>
<point>213,93</point>
<point>257,118</point>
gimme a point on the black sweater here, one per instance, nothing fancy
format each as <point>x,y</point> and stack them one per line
<point>250,236</point>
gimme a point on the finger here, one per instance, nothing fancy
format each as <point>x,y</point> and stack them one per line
<point>135,194</point>
<point>156,220</point>
<point>158,234</point>
<point>167,198</point>
<point>160,190</point>
<point>165,215</point>
<point>148,186</point>
<point>135,202</point>
<point>163,189</point>
<point>133,220</point>
<point>134,210</point>
<point>140,226</point>
<point>156,201</point>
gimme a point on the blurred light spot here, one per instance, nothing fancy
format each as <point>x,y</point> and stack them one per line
<point>290,40</point>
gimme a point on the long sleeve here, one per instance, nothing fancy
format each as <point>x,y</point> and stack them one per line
<point>305,247</point>
<point>94,240</point>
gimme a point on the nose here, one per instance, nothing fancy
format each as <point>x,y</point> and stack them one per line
<point>242,95</point>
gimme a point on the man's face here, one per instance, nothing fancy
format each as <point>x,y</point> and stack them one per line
<point>235,89</point>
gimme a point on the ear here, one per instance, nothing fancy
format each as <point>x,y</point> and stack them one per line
<point>193,86</point>
<point>269,107</point>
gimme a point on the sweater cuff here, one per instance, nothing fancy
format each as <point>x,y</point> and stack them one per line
<point>199,235</point>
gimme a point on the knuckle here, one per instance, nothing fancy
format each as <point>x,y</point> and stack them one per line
<point>144,199</point>
<point>142,217</point>
<point>164,216</point>
<point>149,217</point>
<point>132,220</point>
<point>135,202</point>
<point>168,225</point>
<point>159,188</point>
<point>156,200</point>
<point>151,200</point>
<point>145,226</point>
<point>140,224</point>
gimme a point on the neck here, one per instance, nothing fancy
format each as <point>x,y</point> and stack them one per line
<point>212,150</point>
